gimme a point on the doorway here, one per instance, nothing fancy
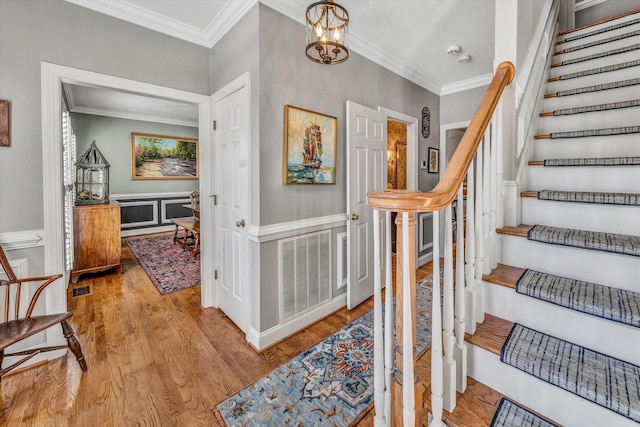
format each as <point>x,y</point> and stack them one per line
<point>396,165</point>
<point>53,77</point>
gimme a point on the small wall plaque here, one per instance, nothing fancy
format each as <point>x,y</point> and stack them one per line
<point>4,123</point>
<point>426,122</point>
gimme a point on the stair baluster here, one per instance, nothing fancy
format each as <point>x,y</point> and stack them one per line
<point>460,350</point>
<point>449,363</point>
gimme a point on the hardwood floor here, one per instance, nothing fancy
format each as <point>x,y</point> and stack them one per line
<point>158,360</point>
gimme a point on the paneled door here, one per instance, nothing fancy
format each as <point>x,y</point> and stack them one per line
<point>366,171</point>
<point>231,210</point>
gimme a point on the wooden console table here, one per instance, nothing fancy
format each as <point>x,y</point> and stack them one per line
<point>190,238</point>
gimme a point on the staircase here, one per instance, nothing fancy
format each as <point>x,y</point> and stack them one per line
<point>567,289</point>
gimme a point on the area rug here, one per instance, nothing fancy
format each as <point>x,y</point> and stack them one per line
<point>330,384</point>
<point>169,267</point>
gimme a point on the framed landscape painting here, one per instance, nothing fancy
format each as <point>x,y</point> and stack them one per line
<point>309,147</point>
<point>163,157</point>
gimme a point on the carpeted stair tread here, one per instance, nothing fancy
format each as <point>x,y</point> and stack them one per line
<point>593,71</point>
<point>604,380</point>
<point>627,199</point>
<point>624,130</point>
<point>594,88</point>
<point>613,304</point>
<point>599,30</point>
<point>598,55</point>
<point>592,108</point>
<point>599,42</point>
<point>511,414</point>
<point>594,161</point>
<point>583,239</point>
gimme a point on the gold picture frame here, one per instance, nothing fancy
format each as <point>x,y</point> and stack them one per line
<point>163,157</point>
<point>310,141</point>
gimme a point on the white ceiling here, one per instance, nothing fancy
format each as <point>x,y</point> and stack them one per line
<point>409,37</point>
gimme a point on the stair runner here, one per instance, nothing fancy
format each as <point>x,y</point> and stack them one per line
<point>598,70</point>
<point>606,381</point>
<point>613,304</point>
<point>627,199</point>
<point>595,108</point>
<point>595,240</point>
<point>625,130</point>
<point>599,42</point>
<point>511,414</point>
<point>600,30</point>
<point>598,55</point>
<point>595,88</point>
<point>601,161</point>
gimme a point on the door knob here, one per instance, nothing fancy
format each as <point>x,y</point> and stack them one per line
<point>354,217</point>
<point>240,223</point>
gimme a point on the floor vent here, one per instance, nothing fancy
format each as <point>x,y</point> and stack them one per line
<point>82,290</point>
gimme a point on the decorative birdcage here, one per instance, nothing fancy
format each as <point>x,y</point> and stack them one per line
<point>92,177</point>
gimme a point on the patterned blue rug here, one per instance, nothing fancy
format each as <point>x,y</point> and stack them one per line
<point>330,384</point>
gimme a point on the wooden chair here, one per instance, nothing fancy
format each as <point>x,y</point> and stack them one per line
<point>18,324</point>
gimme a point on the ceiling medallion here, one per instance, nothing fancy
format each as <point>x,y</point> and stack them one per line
<point>327,32</point>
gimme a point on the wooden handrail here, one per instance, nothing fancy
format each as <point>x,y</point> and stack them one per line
<point>444,193</point>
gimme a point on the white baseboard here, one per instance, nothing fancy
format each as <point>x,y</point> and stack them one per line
<point>262,340</point>
<point>150,230</point>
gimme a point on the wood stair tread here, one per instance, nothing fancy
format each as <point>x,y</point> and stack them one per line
<point>521,230</point>
<point>490,334</point>
<point>533,194</point>
<point>504,275</point>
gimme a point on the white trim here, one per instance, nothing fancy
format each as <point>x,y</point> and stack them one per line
<point>262,340</point>
<point>133,116</point>
<point>20,268</point>
<point>585,4</point>
<point>151,203</point>
<point>12,240</point>
<point>229,15</point>
<point>163,208</point>
<point>412,143</point>
<point>443,141</point>
<point>148,230</point>
<point>129,196</point>
<point>341,268</point>
<point>52,78</point>
<point>462,85</point>
<point>284,230</point>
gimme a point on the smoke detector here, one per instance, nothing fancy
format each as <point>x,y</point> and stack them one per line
<point>453,49</point>
<point>463,59</point>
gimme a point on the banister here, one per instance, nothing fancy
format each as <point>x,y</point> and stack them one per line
<point>447,188</point>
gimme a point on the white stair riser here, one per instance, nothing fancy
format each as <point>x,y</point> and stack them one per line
<point>595,63</point>
<point>606,35</point>
<point>594,79</point>
<point>621,179</point>
<point>619,271</point>
<point>598,27</point>
<point>560,322</point>
<point>626,93</point>
<point>609,146</point>
<point>594,120</point>
<point>605,47</point>
<point>582,216</point>
<point>555,403</point>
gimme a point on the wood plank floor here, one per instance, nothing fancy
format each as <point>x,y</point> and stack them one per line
<point>166,361</point>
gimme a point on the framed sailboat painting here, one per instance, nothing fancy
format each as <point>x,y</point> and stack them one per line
<point>309,147</point>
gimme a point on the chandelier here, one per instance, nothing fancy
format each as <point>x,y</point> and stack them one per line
<point>327,32</point>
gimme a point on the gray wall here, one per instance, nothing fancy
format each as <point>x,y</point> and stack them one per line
<point>59,32</point>
<point>528,17</point>
<point>460,106</point>
<point>113,139</point>
<point>605,10</point>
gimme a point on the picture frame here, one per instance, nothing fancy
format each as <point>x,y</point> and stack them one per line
<point>160,157</point>
<point>434,160</point>
<point>310,141</point>
<point>5,141</point>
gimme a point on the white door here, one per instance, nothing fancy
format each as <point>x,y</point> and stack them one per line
<point>366,171</point>
<point>231,211</point>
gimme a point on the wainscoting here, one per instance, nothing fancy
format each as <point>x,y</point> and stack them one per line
<point>150,213</point>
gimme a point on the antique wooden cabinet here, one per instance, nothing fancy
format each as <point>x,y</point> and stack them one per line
<point>96,239</point>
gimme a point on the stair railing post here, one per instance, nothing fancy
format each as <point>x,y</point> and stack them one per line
<point>378,343</point>
<point>449,363</point>
<point>470,250</point>
<point>495,136</point>
<point>407,389</point>
<point>437,382</point>
<point>460,349</point>
<point>481,225</point>
<point>388,321</point>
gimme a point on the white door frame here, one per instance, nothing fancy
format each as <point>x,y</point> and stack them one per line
<point>412,143</point>
<point>52,78</point>
<point>443,141</point>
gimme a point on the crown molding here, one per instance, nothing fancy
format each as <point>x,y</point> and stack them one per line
<point>229,15</point>
<point>462,85</point>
